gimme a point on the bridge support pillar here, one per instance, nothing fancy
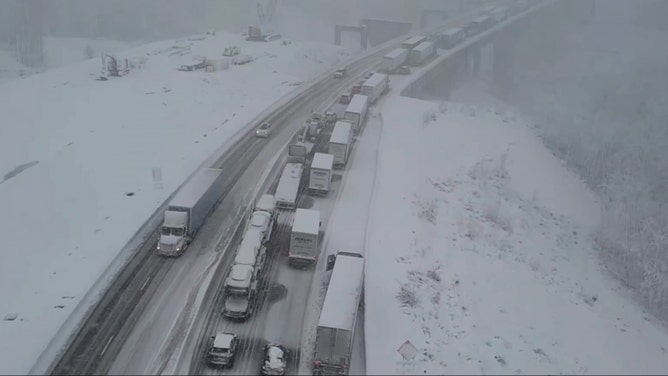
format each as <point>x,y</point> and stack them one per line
<point>503,64</point>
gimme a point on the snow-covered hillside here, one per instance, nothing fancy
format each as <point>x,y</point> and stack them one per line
<point>600,104</point>
<point>78,157</point>
<point>479,252</point>
<point>58,52</point>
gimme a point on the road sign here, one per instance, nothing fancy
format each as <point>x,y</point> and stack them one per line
<point>407,350</point>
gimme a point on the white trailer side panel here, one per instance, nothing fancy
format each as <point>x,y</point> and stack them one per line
<point>375,86</point>
<point>394,59</point>
<point>356,111</point>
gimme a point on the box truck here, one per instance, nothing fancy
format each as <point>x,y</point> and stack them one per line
<point>304,237</point>
<point>321,174</point>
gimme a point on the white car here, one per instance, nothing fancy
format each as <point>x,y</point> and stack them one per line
<point>264,130</point>
<point>274,361</point>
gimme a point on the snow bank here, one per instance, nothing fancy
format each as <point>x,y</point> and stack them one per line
<point>479,253</point>
<point>79,158</point>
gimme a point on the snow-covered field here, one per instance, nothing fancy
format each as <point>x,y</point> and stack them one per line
<point>78,158</point>
<point>58,52</point>
<point>479,253</point>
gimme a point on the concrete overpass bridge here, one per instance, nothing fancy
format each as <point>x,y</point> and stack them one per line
<point>491,54</point>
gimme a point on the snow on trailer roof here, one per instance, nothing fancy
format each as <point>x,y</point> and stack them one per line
<point>289,182</point>
<point>250,245</point>
<point>266,203</point>
<point>423,46</point>
<point>193,190</point>
<point>307,221</point>
<point>357,104</point>
<point>396,53</point>
<point>341,300</point>
<point>377,78</point>
<point>322,161</point>
<point>341,132</point>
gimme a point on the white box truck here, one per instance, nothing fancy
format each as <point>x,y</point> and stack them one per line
<point>356,111</point>
<point>321,174</point>
<point>341,142</point>
<point>188,210</point>
<point>375,86</point>
<point>304,237</point>
<point>421,53</point>
<point>394,60</point>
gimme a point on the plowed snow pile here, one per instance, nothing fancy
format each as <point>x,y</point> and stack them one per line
<point>479,253</point>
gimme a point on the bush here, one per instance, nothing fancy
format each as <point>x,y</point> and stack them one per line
<point>89,52</point>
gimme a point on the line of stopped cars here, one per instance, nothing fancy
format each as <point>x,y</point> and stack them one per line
<point>223,352</point>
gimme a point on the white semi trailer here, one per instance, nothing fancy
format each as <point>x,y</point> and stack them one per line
<point>341,142</point>
<point>336,328</point>
<point>188,210</point>
<point>394,59</point>
<point>356,111</point>
<point>375,86</point>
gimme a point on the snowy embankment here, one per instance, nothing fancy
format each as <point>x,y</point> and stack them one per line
<point>58,52</point>
<point>479,253</point>
<point>86,162</point>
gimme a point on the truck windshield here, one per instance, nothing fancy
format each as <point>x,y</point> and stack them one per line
<point>172,231</point>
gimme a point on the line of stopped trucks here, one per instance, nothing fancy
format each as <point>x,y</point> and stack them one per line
<point>198,198</point>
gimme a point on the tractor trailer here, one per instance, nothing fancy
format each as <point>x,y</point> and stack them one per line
<point>188,210</point>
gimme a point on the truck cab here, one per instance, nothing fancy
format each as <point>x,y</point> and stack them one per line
<point>173,234</point>
<point>223,349</point>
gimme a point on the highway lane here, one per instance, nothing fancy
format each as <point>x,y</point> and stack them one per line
<point>104,333</point>
<point>274,295</point>
<point>146,350</point>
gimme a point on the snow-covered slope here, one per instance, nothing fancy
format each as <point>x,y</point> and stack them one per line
<point>58,52</point>
<point>479,253</point>
<point>79,154</point>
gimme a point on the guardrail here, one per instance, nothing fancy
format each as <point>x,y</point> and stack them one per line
<point>73,324</point>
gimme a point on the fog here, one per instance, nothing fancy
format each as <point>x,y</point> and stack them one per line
<point>159,19</point>
<point>596,86</point>
<point>592,76</point>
